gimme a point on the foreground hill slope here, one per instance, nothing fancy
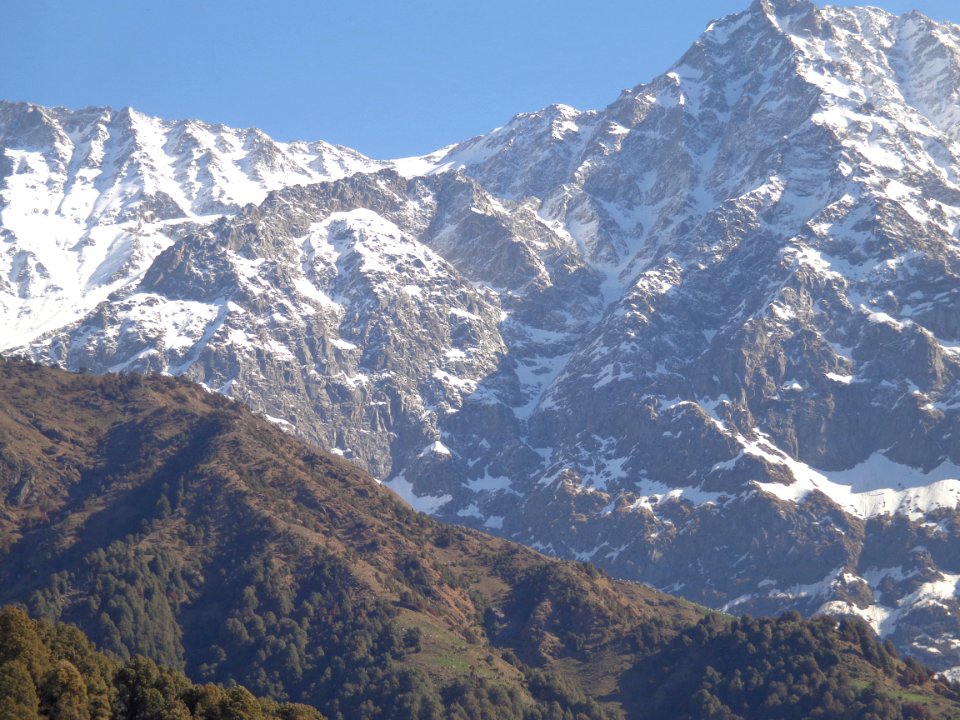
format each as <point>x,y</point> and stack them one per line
<point>170,521</point>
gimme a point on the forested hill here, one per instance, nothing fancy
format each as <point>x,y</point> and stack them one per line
<point>171,522</point>
<point>51,670</point>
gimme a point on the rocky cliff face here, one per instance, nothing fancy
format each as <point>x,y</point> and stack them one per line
<point>706,337</point>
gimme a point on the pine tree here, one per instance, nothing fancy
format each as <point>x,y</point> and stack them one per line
<point>64,693</point>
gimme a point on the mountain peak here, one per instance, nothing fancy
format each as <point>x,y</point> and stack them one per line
<point>780,8</point>
<point>792,17</point>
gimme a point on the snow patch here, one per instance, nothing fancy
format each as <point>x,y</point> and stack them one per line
<point>876,486</point>
<point>436,448</point>
<point>428,504</point>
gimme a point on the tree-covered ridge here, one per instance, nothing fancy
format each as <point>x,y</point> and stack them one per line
<point>51,670</point>
<point>720,668</point>
<point>169,522</point>
<point>786,668</point>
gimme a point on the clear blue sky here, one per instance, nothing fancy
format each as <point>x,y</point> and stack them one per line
<point>387,77</point>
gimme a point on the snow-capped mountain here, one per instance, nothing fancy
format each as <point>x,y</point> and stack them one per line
<point>706,337</point>
<point>91,197</point>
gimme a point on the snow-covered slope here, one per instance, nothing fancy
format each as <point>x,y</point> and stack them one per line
<point>90,197</point>
<point>706,337</point>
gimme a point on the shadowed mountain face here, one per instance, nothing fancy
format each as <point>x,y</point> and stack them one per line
<point>170,521</point>
<point>705,337</point>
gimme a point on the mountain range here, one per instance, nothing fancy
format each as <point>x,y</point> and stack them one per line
<point>705,338</point>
